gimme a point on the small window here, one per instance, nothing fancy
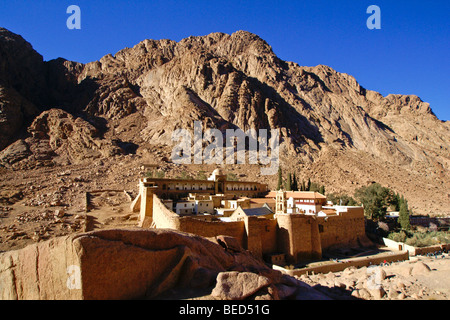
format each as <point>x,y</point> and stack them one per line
<point>320,228</point>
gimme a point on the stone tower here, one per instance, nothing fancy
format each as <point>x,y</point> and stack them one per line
<point>281,202</point>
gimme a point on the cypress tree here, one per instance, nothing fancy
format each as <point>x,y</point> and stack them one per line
<point>322,190</point>
<point>280,179</point>
<point>294,183</point>
<point>403,216</point>
<point>289,183</point>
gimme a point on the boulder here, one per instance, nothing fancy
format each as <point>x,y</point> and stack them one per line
<point>285,291</point>
<point>306,292</point>
<point>381,274</point>
<point>117,264</point>
<point>17,151</point>
<point>377,293</point>
<point>267,293</point>
<point>401,296</point>
<point>238,285</point>
<point>355,293</point>
<point>365,294</point>
<point>111,264</point>
<point>420,268</point>
<point>392,293</point>
<point>59,213</point>
<point>229,243</point>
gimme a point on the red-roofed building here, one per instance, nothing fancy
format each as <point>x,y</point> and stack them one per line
<point>306,202</point>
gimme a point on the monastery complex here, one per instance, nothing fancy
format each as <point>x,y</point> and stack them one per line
<point>277,226</point>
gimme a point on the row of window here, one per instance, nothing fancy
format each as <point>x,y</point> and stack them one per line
<point>165,187</point>
<point>254,188</point>
<point>304,201</point>
<point>200,204</point>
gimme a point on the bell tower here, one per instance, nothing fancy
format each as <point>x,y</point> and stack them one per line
<point>281,202</point>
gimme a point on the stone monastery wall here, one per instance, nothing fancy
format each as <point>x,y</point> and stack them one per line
<point>345,230</point>
<point>298,237</point>
<point>164,218</point>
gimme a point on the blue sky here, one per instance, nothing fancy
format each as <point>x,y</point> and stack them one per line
<point>409,55</point>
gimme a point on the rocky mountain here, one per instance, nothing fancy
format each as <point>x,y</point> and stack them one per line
<point>333,130</point>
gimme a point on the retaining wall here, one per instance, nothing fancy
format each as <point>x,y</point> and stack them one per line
<point>352,262</point>
<point>413,251</point>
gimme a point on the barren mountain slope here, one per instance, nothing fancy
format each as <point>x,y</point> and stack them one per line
<point>332,130</point>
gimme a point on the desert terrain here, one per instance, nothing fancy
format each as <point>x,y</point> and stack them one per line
<point>69,129</point>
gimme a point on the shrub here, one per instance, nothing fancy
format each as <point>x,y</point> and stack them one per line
<point>341,199</point>
<point>420,239</point>
<point>398,236</point>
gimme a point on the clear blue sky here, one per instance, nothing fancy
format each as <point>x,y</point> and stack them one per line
<point>409,55</point>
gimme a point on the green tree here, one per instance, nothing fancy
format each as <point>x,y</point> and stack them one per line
<point>394,200</point>
<point>294,183</point>
<point>280,179</point>
<point>322,190</point>
<point>314,187</point>
<point>289,183</point>
<point>374,199</point>
<point>342,199</point>
<point>403,217</point>
<point>308,186</point>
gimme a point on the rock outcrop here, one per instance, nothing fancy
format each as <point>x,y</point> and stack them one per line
<point>72,137</point>
<point>238,285</point>
<point>133,264</point>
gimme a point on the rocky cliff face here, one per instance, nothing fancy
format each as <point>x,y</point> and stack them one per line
<point>332,129</point>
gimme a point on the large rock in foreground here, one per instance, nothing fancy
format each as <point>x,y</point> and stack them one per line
<point>119,264</point>
<point>238,285</point>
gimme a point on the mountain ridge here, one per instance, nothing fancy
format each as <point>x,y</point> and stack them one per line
<point>229,81</point>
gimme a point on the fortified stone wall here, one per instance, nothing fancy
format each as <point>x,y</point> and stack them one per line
<point>213,228</point>
<point>261,236</point>
<point>298,237</point>
<point>162,217</point>
<point>165,219</point>
<point>345,230</point>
